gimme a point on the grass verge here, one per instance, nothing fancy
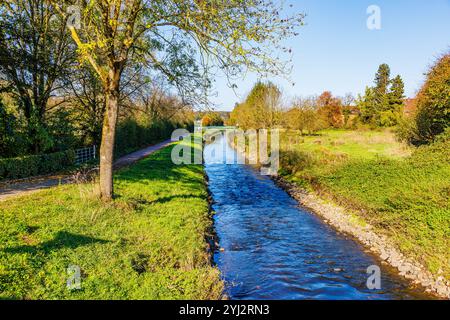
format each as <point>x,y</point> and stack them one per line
<point>149,244</point>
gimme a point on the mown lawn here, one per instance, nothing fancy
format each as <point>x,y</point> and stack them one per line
<point>149,244</point>
<point>404,196</point>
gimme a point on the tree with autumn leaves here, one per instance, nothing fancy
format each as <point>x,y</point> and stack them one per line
<point>431,120</point>
<point>186,41</point>
<point>264,108</point>
<point>330,110</point>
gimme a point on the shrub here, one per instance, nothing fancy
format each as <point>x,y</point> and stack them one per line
<point>389,118</point>
<point>28,166</point>
<point>407,131</point>
<point>444,137</point>
<point>433,101</point>
<point>132,135</point>
<point>293,161</point>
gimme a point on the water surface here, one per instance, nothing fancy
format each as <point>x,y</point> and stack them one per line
<point>274,249</point>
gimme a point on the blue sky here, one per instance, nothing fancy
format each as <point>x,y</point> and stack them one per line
<point>336,51</point>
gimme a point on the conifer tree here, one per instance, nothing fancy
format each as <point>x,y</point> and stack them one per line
<point>382,80</point>
<point>396,94</point>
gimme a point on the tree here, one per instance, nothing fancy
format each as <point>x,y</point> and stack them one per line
<point>303,116</point>
<point>206,121</point>
<point>382,80</point>
<point>8,133</point>
<point>348,102</point>
<point>35,55</point>
<point>433,101</point>
<point>330,109</point>
<point>395,102</point>
<point>85,99</point>
<point>382,104</point>
<point>159,105</point>
<point>242,116</point>
<point>367,106</point>
<point>264,100</point>
<point>176,38</point>
<point>216,119</point>
<point>261,109</point>
<point>84,94</point>
<point>396,93</point>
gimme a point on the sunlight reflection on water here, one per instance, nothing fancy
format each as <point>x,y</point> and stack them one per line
<point>273,249</point>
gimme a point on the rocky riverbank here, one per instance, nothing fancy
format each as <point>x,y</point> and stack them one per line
<point>344,221</point>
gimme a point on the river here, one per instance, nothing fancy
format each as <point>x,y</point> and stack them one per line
<point>271,248</point>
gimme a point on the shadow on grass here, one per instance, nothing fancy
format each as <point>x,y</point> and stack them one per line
<point>159,167</point>
<point>62,240</point>
<point>170,198</point>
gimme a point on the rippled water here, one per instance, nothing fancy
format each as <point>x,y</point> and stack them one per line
<point>274,249</point>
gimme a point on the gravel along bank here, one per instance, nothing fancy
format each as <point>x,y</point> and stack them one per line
<point>346,222</point>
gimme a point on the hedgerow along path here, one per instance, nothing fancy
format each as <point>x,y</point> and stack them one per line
<point>32,185</point>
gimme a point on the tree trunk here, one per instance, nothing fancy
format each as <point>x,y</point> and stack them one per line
<point>107,145</point>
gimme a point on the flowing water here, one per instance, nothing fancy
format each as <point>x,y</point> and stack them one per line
<point>274,249</point>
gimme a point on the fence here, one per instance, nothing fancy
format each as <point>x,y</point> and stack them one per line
<point>85,154</point>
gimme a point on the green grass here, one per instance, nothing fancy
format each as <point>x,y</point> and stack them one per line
<point>149,244</point>
<point>355,144</point>
<point>404,197</point>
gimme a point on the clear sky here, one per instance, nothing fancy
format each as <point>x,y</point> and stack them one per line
<point>336,51</point>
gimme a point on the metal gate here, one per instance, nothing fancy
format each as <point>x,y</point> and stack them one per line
<point>85,154</point>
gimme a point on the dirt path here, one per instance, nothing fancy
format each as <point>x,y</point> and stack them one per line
<point>15,189</point>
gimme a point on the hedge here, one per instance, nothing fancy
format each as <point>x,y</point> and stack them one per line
<point>28,166</point>
<point>132,136</point>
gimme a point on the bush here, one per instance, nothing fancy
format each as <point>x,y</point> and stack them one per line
<point>433,101</point>
<point>407,131</point>
<point>437,153</point>
<point>12,140</point>
<point>293,161</point>
<point>444,137</point>
<point>132,135</point>
<point>28,166</point>
<point>389,118</point>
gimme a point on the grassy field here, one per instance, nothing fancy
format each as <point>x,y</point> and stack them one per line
<point>355,144</point>
<point>404,193</point>
<point>149,244</point>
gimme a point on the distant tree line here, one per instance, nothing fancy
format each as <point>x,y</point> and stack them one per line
<point>381,106</point>
<point>265,107</point>
<point>211,119</point>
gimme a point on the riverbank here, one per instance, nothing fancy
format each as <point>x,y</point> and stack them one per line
<point>272,248</point>
<point>351,224</point>
<point>150,243</point>
<point>393,201</point>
